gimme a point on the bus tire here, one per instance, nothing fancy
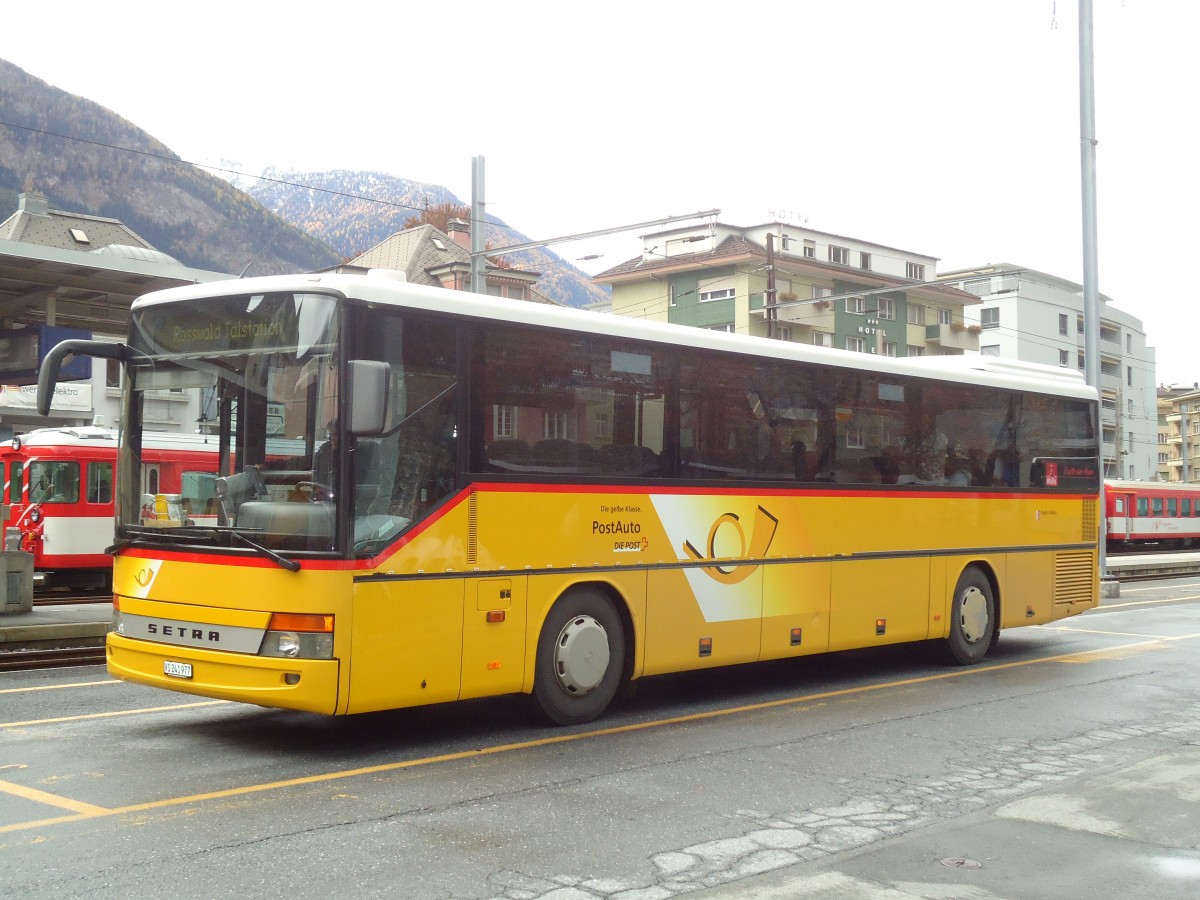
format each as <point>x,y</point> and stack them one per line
<point>973,625</point>
<point>580,658</point>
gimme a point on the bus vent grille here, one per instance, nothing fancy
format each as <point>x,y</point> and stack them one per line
<point>472,529</point>
<point>1074,577</point>
<point>1090,523</point>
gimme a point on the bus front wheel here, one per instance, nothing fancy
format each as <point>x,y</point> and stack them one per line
<point>973,625</point>
<point>580,657</point>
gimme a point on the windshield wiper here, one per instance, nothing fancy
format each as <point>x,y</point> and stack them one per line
<point>200,531</point>
<point>282,561</point>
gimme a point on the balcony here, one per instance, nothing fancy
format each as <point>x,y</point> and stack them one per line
<point>953,337</point>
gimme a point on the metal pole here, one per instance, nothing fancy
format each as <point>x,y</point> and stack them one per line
<point>1091,294</point>
<point>770,305</point>
<point>478,228</point>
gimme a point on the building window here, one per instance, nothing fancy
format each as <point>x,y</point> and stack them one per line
<point>602,426</point>
<point>783,332</point>
<point>1082,362</point>
<point>1062,323</point>
<point>916,271</point>
<point>504,421</point>
<point>728,329</point>
<point>823,338</point>
<point>1129,375</point>
<point>989,350</point>
<point>785,241</point>
<point>945,316</point>
<point>855,439</point>
<point>916,314</point>
<point>914,350</point>
<point>112,373</point>
<point>887,308</point>
<point>889,348</point>
<point>864,260</point>
<point>819,292</point>
<point>671,300</point>
<point>558,426</point>
<point>838,254</point>
<point>723,294</point>
<point>856,344</point>
<point>810,249</point>
<point>855,305</point>
<point>990,317</point>
<point>1064,358</point>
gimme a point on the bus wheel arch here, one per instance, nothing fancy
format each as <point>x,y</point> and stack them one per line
<point>974,615</point>
<point>582,655</point>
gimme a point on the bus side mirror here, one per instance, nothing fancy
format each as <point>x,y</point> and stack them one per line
<point>369,380</point>
<point>48,376</point>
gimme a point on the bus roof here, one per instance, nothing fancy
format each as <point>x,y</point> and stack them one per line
<point>383,287</point>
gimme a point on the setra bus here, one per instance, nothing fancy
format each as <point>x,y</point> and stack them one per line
<point>488,496</point>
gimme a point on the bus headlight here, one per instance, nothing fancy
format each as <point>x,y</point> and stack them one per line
<point>298,636</point>
<point>297,645</point>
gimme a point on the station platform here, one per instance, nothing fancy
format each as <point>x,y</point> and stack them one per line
<point>86,624</point>
<point>57,626</point>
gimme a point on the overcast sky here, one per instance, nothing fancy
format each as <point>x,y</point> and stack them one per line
<point>945,127</point>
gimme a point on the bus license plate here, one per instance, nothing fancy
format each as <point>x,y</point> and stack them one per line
<point>177,669</point>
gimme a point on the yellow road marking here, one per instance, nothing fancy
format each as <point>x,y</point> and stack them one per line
<point>113,714</point>
<point>29,793</point>
<point>246,790</point>
<point>57,687</point>
<point>1107,606</point>
<point>1068,628</point>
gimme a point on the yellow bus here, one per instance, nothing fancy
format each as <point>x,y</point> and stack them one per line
<point>479,496</point>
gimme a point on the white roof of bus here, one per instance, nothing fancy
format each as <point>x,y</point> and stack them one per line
<point>383,288</point>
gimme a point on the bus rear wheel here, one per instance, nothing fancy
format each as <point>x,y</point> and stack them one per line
<point>973,625</point>
<point>580,658</point>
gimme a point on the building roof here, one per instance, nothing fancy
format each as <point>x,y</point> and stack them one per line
<point>35,222</point>
<point>735,248</point>
<point>422,253</point>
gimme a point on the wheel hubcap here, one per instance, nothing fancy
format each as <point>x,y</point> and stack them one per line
<point>973,615</point>
<point>581,655</point>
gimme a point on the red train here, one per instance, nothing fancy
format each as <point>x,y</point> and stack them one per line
<point>1152,514</point>
<point>58,494</point>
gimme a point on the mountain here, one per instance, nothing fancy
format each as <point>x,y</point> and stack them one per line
<point>85,158</point>
<point>353,211</point>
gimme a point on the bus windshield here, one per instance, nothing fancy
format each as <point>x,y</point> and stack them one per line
<point>264,370</point>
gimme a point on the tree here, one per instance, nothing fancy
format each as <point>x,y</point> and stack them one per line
<point>439,216</point>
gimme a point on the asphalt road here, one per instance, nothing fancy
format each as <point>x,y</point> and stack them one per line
<point>881,774</point>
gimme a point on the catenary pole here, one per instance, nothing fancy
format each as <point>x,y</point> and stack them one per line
<point>1091,293</point>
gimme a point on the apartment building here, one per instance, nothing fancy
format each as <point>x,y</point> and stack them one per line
<point>1037,317</point>
<point>795,284</point>
<point>1179,433</point>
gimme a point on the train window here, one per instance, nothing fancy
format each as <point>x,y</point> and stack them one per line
<point>99,482</point>
<point>53,481</point>
<point>1157,506</point>
<point>1172,511</point>
<point>1119,504</point>
<point>1143,508</point>
<point>1185,507</point>
<point>14,482</point>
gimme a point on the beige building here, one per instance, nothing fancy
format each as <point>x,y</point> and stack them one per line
<point>795,284</point>
<point>1179,434</point>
